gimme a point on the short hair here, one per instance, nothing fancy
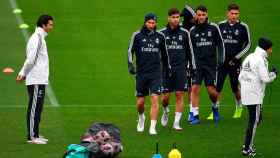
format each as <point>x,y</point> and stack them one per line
<point>265,43</point>
<point>201,8</point>
<point>233,6</point>
<point>43,20</point>
<point>173,11</point>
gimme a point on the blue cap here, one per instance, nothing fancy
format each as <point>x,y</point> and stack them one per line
<point>150,16</point>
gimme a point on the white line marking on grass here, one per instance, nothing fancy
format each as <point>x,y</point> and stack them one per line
<point>52,96</point>
<point>26,35</point>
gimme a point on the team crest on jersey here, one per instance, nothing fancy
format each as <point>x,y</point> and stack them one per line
<point>224,31</point>
<point>236,32</point>
<point>144,40</point>
<point>157,40</point>
<point>197,35</point>
<point>209,34</point>
<point>247,67</point>
<point>167,37</point>
<point>180,37</point>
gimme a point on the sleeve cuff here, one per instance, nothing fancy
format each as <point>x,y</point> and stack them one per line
<point>21,73</point>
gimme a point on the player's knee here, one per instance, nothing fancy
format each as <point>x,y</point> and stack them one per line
<point>140,102</point>
<point>195,89</point>
<point>213,94</point>
<point>154,98</point>
<point>179,94</point>
<point>155,105</point>
<point>211,89</point>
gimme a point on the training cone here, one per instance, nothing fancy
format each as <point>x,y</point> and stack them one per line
<point>17,11</point>
<point>8,70</point>
<point>23,26</point>
<point>157,154</point>
<point>174,153</point>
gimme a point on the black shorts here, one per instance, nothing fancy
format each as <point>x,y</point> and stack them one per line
<point>206,73</point>
<point>147,84</point>
<point>233,72</point>
<point>176,82</point>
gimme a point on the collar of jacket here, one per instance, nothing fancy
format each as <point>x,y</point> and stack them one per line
<point>238,22</point>
<point>146,31</point>
<point>261,51</point>
<point>172,30</point>
<point>203,25</point>
<point>41,31</point>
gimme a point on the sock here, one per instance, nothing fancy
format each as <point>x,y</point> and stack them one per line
<point>215,105</point>
<point>238,103</point>
<point>141,116</point>
<point>153,124</point>
<point>166,109</point>
<point>195,111</point>
<point>178,116</point>
<point>191,108</point>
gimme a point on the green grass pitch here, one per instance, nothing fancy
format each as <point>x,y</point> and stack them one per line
<point>88,72</point>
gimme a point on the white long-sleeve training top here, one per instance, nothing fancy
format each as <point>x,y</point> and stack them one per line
<point>36,65</point>
<point>253,77</point>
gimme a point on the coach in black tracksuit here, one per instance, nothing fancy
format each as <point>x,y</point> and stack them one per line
<point>208,49</point>
<point>150,51</point>
<point>236,38</point>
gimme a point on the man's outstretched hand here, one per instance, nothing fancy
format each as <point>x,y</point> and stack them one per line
<point>20,78</point>
<point>274,69</point>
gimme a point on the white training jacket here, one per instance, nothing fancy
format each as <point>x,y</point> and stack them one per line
<point>36,65</point>
<point>253,77</point>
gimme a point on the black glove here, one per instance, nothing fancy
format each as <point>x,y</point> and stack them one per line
<point>131,69</point>
<point>233,62</point>
<point>273,69</point>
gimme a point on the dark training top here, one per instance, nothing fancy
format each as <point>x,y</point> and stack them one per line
<point>236,39</point>
<point>208,46</point>
<point>150,49</point>
<point>178,46</point>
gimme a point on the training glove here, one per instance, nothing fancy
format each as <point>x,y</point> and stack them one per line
<point>131,69</point>
<point>273,69</point>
